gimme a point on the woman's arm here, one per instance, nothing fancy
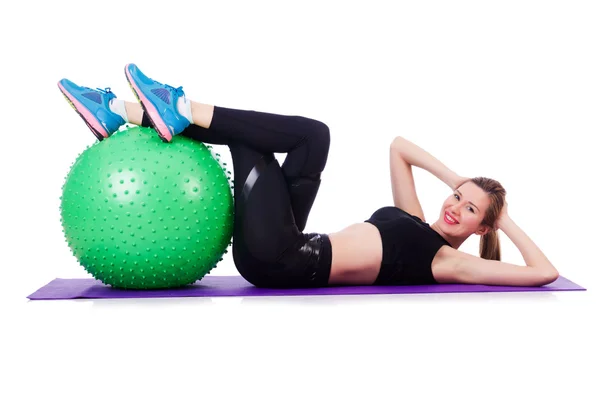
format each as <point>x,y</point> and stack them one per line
<point>533,256</point>
<point>414,155</point>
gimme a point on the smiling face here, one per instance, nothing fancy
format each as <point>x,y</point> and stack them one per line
<point>467,206</point>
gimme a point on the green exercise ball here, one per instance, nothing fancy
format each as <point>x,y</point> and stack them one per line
<point>139,213</point>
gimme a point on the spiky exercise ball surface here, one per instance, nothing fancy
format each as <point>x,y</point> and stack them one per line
<point>139,213</point>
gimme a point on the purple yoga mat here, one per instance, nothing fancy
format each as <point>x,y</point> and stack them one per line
<point>89,288</point>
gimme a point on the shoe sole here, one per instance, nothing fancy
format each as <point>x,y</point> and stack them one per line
<point>90,120</point>
<point>161,128</point>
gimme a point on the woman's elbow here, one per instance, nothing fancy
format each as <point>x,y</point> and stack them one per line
<point>397,141</point>
<point>550,277</point>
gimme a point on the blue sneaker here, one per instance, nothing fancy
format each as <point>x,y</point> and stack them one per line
<point>159,102</point>
<point>92,106</point>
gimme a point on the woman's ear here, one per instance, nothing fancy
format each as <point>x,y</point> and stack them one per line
<point>483,230</point>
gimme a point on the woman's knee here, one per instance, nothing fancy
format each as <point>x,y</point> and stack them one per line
<point>315,130</point>
<point>318,141</point>
<point>321,132</point>
<point>323,138</point>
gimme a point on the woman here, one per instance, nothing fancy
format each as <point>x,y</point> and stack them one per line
<point>394,246</point>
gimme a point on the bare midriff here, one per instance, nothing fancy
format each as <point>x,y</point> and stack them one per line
<point>357,252</point>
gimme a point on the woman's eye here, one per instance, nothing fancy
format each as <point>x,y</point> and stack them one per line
<point>470,208</point>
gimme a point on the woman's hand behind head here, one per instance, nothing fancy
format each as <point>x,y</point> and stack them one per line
<point>503,216</point>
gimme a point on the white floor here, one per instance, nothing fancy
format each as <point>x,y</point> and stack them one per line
<point>493,344</point>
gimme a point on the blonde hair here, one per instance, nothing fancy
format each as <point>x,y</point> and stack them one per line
<point>489,244</point>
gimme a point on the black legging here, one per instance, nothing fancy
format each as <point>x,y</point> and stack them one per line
<point>268,223</point>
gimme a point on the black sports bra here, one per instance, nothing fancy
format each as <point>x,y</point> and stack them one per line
<point>409,245</point>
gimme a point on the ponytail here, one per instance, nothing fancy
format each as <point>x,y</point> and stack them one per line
<point>489,245</point>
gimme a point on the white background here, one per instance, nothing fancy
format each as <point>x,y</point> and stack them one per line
<point>508,90</point>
